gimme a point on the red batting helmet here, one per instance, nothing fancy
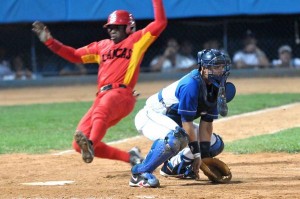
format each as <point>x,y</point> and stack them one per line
<point>121,17</point>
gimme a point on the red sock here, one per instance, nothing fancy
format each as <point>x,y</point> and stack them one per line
<point>103,150</point>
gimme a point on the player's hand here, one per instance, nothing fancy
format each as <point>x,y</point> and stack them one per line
<point>41,31</point>
<point>196,166</point>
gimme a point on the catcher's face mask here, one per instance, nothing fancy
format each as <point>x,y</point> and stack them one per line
<point>216,65</point>
<point>216,74</point>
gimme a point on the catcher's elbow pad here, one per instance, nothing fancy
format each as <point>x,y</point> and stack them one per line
<point>217,146</point>
<point>230,91</point>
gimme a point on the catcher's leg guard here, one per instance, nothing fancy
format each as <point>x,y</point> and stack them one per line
<point>162,150</point>
<point>217,146</point>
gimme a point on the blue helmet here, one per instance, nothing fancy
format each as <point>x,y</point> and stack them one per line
<point>213,59</point>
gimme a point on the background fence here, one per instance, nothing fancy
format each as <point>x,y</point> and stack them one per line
<point>270,31</point>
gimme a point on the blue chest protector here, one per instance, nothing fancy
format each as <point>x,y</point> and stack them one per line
<point>205,104</point>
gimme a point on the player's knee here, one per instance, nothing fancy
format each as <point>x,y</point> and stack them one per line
<point>217,147</point>
<point>140,120</point>
<point>176,140</point>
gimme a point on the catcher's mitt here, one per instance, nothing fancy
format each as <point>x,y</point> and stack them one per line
<point>216,170</point>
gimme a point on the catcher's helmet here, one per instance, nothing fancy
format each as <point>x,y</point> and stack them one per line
<point>213,59</point>
<point>121,17</point>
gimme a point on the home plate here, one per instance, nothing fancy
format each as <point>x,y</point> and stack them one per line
<point>48,183</point>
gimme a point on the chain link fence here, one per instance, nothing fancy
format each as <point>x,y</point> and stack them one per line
<point>270,31</point>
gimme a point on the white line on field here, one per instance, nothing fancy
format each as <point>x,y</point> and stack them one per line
<point>217,121</point>
<point>256,112</point>
<point>64,152</point>
<point>282,129</point>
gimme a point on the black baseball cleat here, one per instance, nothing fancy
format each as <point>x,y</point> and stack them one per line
<point>147,180</point>
<point>166,171</point>
<point>184,173</point>
<point>135,156</point>
<point>86,146</point>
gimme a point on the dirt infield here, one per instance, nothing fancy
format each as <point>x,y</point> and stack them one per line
<point>254,176</point>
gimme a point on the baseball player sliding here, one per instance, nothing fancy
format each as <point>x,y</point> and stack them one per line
<point>119,60</point>
<point>167,119</point>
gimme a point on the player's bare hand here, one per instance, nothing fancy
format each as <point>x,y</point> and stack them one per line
<point>196,166</point>
<point>41,31</point>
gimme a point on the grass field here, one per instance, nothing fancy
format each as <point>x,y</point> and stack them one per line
<point>41,128</point>
<point>283,141</point>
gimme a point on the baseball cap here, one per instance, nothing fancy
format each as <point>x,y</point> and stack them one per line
<point>285,48</point>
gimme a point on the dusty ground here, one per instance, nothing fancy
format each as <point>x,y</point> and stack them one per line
<point>254,176</point>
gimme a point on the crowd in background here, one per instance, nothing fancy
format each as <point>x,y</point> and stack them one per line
<point>176,56</point>
<point>251,56</point>
<point>13,66</point>
<point>179,57</point>
<point>16,67</point>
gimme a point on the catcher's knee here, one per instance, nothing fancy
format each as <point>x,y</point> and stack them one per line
<point>140,120</point>
<point>217,146</point>
<point>176,140</point>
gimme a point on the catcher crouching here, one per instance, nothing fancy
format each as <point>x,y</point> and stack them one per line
<point>183,146</point>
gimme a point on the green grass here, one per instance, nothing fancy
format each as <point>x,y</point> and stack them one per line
<point>41,128</point>
<point>251,102</point>
<point>283,141</point>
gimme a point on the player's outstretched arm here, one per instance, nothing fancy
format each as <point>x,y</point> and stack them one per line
<point>57,47</point>
<point>160,20</point>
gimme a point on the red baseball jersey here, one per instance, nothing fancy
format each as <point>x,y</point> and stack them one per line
<point>118,63</point>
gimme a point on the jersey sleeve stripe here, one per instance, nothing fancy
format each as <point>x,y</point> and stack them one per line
<point>139,48</point>
<point>90,58</point>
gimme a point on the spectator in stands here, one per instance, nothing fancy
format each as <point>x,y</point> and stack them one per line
<point>186,49</point>
<point>20,68</point>
<point>14,67</point>
<point>251,56</point>
<point>285,58</point>
<point>73,69</point>
<point>212,44</point>
<point>171,60</point>
<point>5,66</point>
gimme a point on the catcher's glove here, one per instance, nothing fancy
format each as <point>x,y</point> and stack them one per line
<point>216,170</point>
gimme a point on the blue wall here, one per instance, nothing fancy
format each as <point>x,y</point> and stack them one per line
<point>18,11</point>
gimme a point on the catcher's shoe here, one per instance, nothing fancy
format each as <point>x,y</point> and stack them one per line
<point>185,173</point>
<point>135,156</point>
<point>86,146</point>
<point>166,171</point>
<point>189,173</point>
<point>144,180</point>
